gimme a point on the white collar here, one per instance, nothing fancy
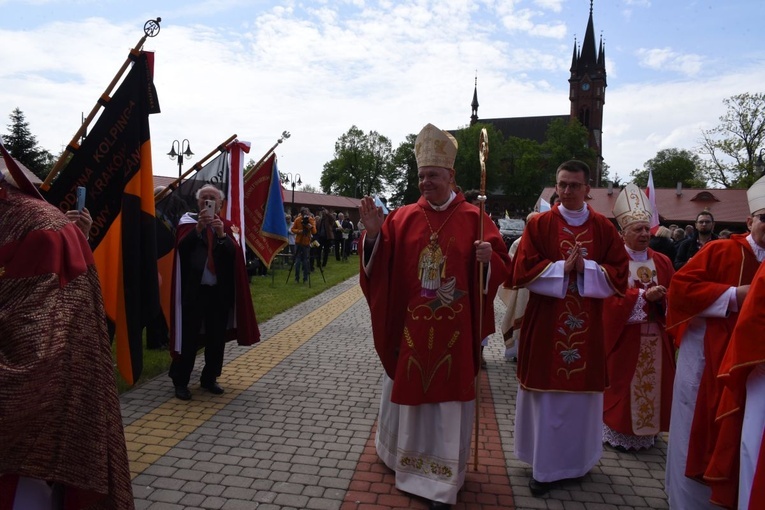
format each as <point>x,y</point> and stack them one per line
<point>758,250</point>
<point>445,205</point>
<point>575,218</point>
<point>639,256</point>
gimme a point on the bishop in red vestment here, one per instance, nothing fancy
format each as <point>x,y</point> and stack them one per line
<point>639,354</point>
<point>420,276</point>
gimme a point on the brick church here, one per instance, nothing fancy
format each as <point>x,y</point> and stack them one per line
<point>587,93</point>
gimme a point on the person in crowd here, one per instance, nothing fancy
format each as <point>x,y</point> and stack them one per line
<point>210,276</point>
<point>515,300</point>
<point>705,226</point>
<point>689,231</point>
<point>339,241</point>
<point>639,354</point>
<point>346,232</point>
<point>662,243</point>
<point>325,234</point>
<point>736,471</point>
<point>724,234</point>
<point>61,435</point>
<point>570,259</point>
<point>425,334</point>
<point>704,299</point>
<point>303,228</point>
<point>678,236</point>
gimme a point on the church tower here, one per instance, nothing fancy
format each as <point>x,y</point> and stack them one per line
<point>587,92</point>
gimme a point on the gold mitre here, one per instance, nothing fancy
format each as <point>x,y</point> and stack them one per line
<point>632,205</point>
<point>435,147</point>
<point>756,196</point>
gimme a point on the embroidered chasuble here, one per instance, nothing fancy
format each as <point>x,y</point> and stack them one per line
<point>422,290</point>
<point>717,267</point>
<point>640,356</point>
<point>561,347</point>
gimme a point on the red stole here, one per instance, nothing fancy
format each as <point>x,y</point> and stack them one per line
<point>561,346</point>
<point>719,265</point>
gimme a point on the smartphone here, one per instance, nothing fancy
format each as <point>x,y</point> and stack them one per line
<point>210,206</point>
<point>80,197</point>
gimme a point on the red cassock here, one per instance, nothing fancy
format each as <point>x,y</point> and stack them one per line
<point>745,351</point>
<point>621,409</point>
<point>695,287</point>
<point>425,326</point>
<point>561,346</point>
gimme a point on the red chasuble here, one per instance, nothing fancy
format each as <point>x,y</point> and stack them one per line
<point>745,351</point>
<point>641,368</point>
<point>423,294</point>
<point>718,266</point>
<point>246,330</point>
<point>561,346</point>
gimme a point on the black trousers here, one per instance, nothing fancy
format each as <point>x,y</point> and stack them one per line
<point>209,310</point>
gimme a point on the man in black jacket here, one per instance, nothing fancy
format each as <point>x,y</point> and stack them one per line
<point>705,225</point>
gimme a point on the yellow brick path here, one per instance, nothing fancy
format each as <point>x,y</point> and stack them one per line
<point>152,436</point>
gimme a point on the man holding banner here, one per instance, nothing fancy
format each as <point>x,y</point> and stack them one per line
<point>211,286</point>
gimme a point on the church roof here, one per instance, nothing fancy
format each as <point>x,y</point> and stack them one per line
<point>530,128</point>
<point>728,206</point>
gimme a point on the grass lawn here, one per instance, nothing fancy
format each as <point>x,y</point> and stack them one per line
<point>270,297</point>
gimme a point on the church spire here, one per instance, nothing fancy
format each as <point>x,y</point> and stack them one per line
<point>474,104</point>
<point>588,58</point>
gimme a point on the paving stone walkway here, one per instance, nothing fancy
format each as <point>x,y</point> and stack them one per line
<point>295,430</point>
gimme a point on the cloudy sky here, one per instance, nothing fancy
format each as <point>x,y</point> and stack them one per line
<point>316,68</point>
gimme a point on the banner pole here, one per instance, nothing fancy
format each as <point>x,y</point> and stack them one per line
<point>194,168</point>
<point>285,135</point>
<point>151,29</point>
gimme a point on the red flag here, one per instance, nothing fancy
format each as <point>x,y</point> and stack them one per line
<point>266,228</point>
<point>651,193</point>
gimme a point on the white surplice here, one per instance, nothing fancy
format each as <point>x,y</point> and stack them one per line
<point>428,445</point>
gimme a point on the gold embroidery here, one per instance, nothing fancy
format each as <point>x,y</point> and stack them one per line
<point>427,466</point>
<point>425,364</point>
<point>645,393</point>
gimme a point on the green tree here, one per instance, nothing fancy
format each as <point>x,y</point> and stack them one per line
<point>566,140</point>
<point>669,167</point>
<point>362,164</point>
<point>467,164</point>
<point>731,147</point>
<point>404,181</point>
<point>23,146</point>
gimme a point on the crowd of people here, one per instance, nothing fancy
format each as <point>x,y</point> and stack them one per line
<point>619,336</point>
<point>620,333</point>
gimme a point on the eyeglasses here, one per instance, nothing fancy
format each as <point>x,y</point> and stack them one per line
<point>573,186</point>
<point>704,222</point>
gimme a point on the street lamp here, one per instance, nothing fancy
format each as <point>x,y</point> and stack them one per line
<point>759,165</point>
<point>295,180</point>
<point>183,149</point>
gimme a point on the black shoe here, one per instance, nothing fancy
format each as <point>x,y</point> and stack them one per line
<point>437,505</point>
<point>182,393</point>
<point>212,387</point>
<point>539,488</point>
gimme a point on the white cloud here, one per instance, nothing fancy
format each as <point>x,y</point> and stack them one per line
<point>666,59</point>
